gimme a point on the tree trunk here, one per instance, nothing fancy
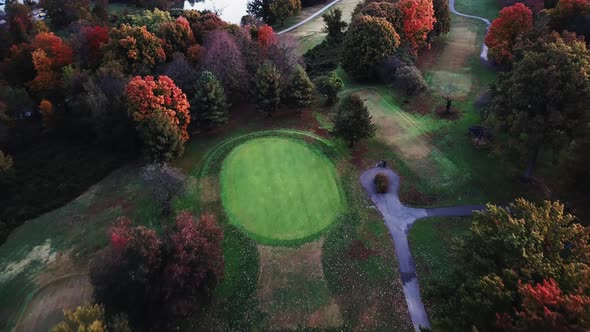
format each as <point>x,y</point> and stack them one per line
<point>533,155</point>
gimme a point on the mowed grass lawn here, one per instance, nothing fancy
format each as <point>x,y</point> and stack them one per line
<point>280,189</point>
<point>431,242</point>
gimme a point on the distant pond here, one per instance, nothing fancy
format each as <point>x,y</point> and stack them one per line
<point>230,10</point>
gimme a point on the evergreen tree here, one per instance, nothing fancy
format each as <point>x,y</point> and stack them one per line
<point>268,88</point>
<point>301,88</point>
<point>353,120</point>
<point>209,106</point>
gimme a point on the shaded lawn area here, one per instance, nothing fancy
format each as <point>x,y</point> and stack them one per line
<point>431,242</point>
<point>484,8</point>
<point>50,174</point>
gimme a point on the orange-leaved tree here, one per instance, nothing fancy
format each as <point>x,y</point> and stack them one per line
<point>513,22</point>
<point>418,20</point>
<point>50,54</point>
<point>161,111</point>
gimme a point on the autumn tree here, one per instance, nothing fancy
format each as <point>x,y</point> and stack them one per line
<point>17,68</point>
<point>329,85</point>
<point>136,48</point>
<point>209,106</point>
<point>334,25</point>
<point>501,260</point>
<point>387,10</point>
<point>368,42</point>
<point>151,19</point>
<point>442,14</point>
<point>418,21</point>
<point>571,15</point>
<point>85,318</point>
<point>182,72</point>
<point>50,55</point>
<point>301,89</point>
<point>352,121</point>
<point>281,9</point>
<point>125,274</point>
<point>93,38</point>
<point>176,36</point>
<point>153,279</point>
<point>224,59</point>
<point>20,22</point>
<point>63,12</point>
<point>47,113</point>
<point>104,98</point>
<point>266,36</point>
<point>540,108</point>
<point>268,88</point>
<point>161,112</point>
<point>203,24</point>
<point>513,22</point>
<point>545,307</point>
<point>195,266</point>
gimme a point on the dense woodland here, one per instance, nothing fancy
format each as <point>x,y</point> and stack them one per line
<point>84,92</point>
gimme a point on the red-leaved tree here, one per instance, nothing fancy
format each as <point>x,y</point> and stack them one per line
<point>161,111</point>
<point>513,22</point>
<point>417,20</point>
<point>50,54</point>
<point>93,39</point>
<point>195,265</point>
<point>153,279</point>
<point>223,57</point>
<point>266,36</point>
<point>546,308</point>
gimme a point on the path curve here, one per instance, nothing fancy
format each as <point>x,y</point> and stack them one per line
<point>314,15</point>
<point>484,47</point>
<point>399,219</point>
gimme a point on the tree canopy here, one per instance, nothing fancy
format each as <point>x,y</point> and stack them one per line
<point>368,42</point>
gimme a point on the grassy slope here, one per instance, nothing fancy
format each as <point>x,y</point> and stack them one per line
<point>270,179</point>
<point>431,241</point>
<point>484,8</point>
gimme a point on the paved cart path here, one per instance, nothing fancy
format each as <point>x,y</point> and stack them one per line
<point>484,47</point>
<point>399,219</point>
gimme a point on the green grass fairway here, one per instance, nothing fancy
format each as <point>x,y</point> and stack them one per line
<point>279,190</point>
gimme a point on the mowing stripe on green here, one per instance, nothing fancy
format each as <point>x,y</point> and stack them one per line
<point>279,189</point>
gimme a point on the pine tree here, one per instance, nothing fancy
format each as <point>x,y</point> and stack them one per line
<point>268,88</point>
<point>353,120</point>
<point>209,106</point>
<point>301,88</point>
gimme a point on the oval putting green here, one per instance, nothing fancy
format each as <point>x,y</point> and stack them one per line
<point>279,189</point>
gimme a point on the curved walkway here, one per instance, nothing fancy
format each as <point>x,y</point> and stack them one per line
<point>314,15</point>
<point>399,220</point>
<point>484,47</point>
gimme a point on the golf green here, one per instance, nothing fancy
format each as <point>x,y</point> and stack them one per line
<point>279,189</point>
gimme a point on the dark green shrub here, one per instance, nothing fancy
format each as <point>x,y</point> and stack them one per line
<point>382,183</point>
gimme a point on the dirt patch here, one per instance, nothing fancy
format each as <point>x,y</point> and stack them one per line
<point>62,265</point>
<point>452,114</point>
<point>358,250</point>
<point>292,288</point>
<point>46,308</point>
<point>447,64</point>
<point>209,189</point>
<point>414,197</point>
